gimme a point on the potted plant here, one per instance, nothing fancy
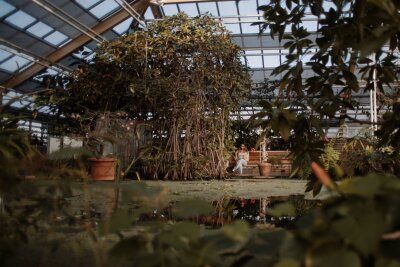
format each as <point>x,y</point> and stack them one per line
<point>265,166</point>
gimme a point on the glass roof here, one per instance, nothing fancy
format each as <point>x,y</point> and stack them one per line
<point>5,8</point>
<point>104,8</point>
<point>20,19</point>
<point>46,33</point>
<point>87,3</point>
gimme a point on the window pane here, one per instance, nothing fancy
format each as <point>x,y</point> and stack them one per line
<point>20,19</point>
<point>56,38</point>
<point>149,14</point>
<point>104,8</point>
<point>123,26</point>
<point>87,3</point>
<point>234,27</point>
<point>227,8</point>
<point>190,9</point>
<point>248,28</point>
<point>254,61</point>
<point>5,8</point>
<point>15,63</point>
<point>40,29</point>
<point>208,7</point>
<point>4,54</point>
<point>271,61</point>
<point>248,7</point>
<point>170,10</point>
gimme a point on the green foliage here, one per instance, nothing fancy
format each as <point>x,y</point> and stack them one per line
<point>244,133</point>
<point>362,155</point>
<point>349,32</point>
<point>182,76</point>
<point>353,228</point>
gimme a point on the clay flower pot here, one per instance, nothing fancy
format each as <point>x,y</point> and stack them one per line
<point>103,169</point>
<point>265,169</point>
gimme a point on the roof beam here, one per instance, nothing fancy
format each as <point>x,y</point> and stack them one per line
<point>156,10</point>
<point>79,41</point>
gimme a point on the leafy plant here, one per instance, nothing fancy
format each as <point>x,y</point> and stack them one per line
<point>182,76</point>
<point>349,33</point>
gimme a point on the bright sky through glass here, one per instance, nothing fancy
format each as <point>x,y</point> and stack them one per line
<point>5,8</point>
<point>20,19</point>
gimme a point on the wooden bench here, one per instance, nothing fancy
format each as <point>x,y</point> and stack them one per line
<point>255,158</point>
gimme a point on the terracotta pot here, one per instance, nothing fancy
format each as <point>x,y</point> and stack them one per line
<point>103,169</point>
<point>265,169</point>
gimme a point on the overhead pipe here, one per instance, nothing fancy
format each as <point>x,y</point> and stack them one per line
<point>134,14</point>
<point>33,57</point>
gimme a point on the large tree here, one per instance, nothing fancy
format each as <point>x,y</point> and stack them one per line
<point>183,76</point>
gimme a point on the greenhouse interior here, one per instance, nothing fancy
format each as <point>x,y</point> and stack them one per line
<point>200,133</point>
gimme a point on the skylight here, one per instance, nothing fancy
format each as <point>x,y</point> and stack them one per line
<point>5,8</point>
<point>40,29</point>
<point>56,38</point>
<point>87,3</point>
<point>210,7</point>
<point>228,8</point>
<point>149,14</point>
<point>254,61</point>
<point>248,28</point>
<point>4,55</point>
<point>247,7</point>
<point>20,19</point>
<point>190,9</point>
<point>170,10</point>
<point>15,63</point>
<point>123,26</point>
<point>233,27</point>
<point>104,8</point>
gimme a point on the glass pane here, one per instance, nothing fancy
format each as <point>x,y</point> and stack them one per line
<point>123,26</point>
<point>5,8</point>
<point>234,27</point>
<point>56,38</point>
<point>4,54</point>
<point>104,8</point>
<point>20,19</point>
<point>271,61</point>
<point>311,26</point>
<point>87,3</point>
<point>15,63</point>
<point>254,61</point>
<point>248,7</point>
<point>247,28</point>
<point>40,29</point>
<point>227,8</point>
<point>170,10</point>
<point>149,14</point>
<point>190,9</point>
<point>210,7</point>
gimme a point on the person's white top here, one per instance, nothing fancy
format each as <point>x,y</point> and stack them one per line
<point>243,155</point>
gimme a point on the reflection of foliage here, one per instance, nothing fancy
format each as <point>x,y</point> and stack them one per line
<point>356,228</point>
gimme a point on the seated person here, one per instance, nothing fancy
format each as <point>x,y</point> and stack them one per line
<point>242,157</point>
